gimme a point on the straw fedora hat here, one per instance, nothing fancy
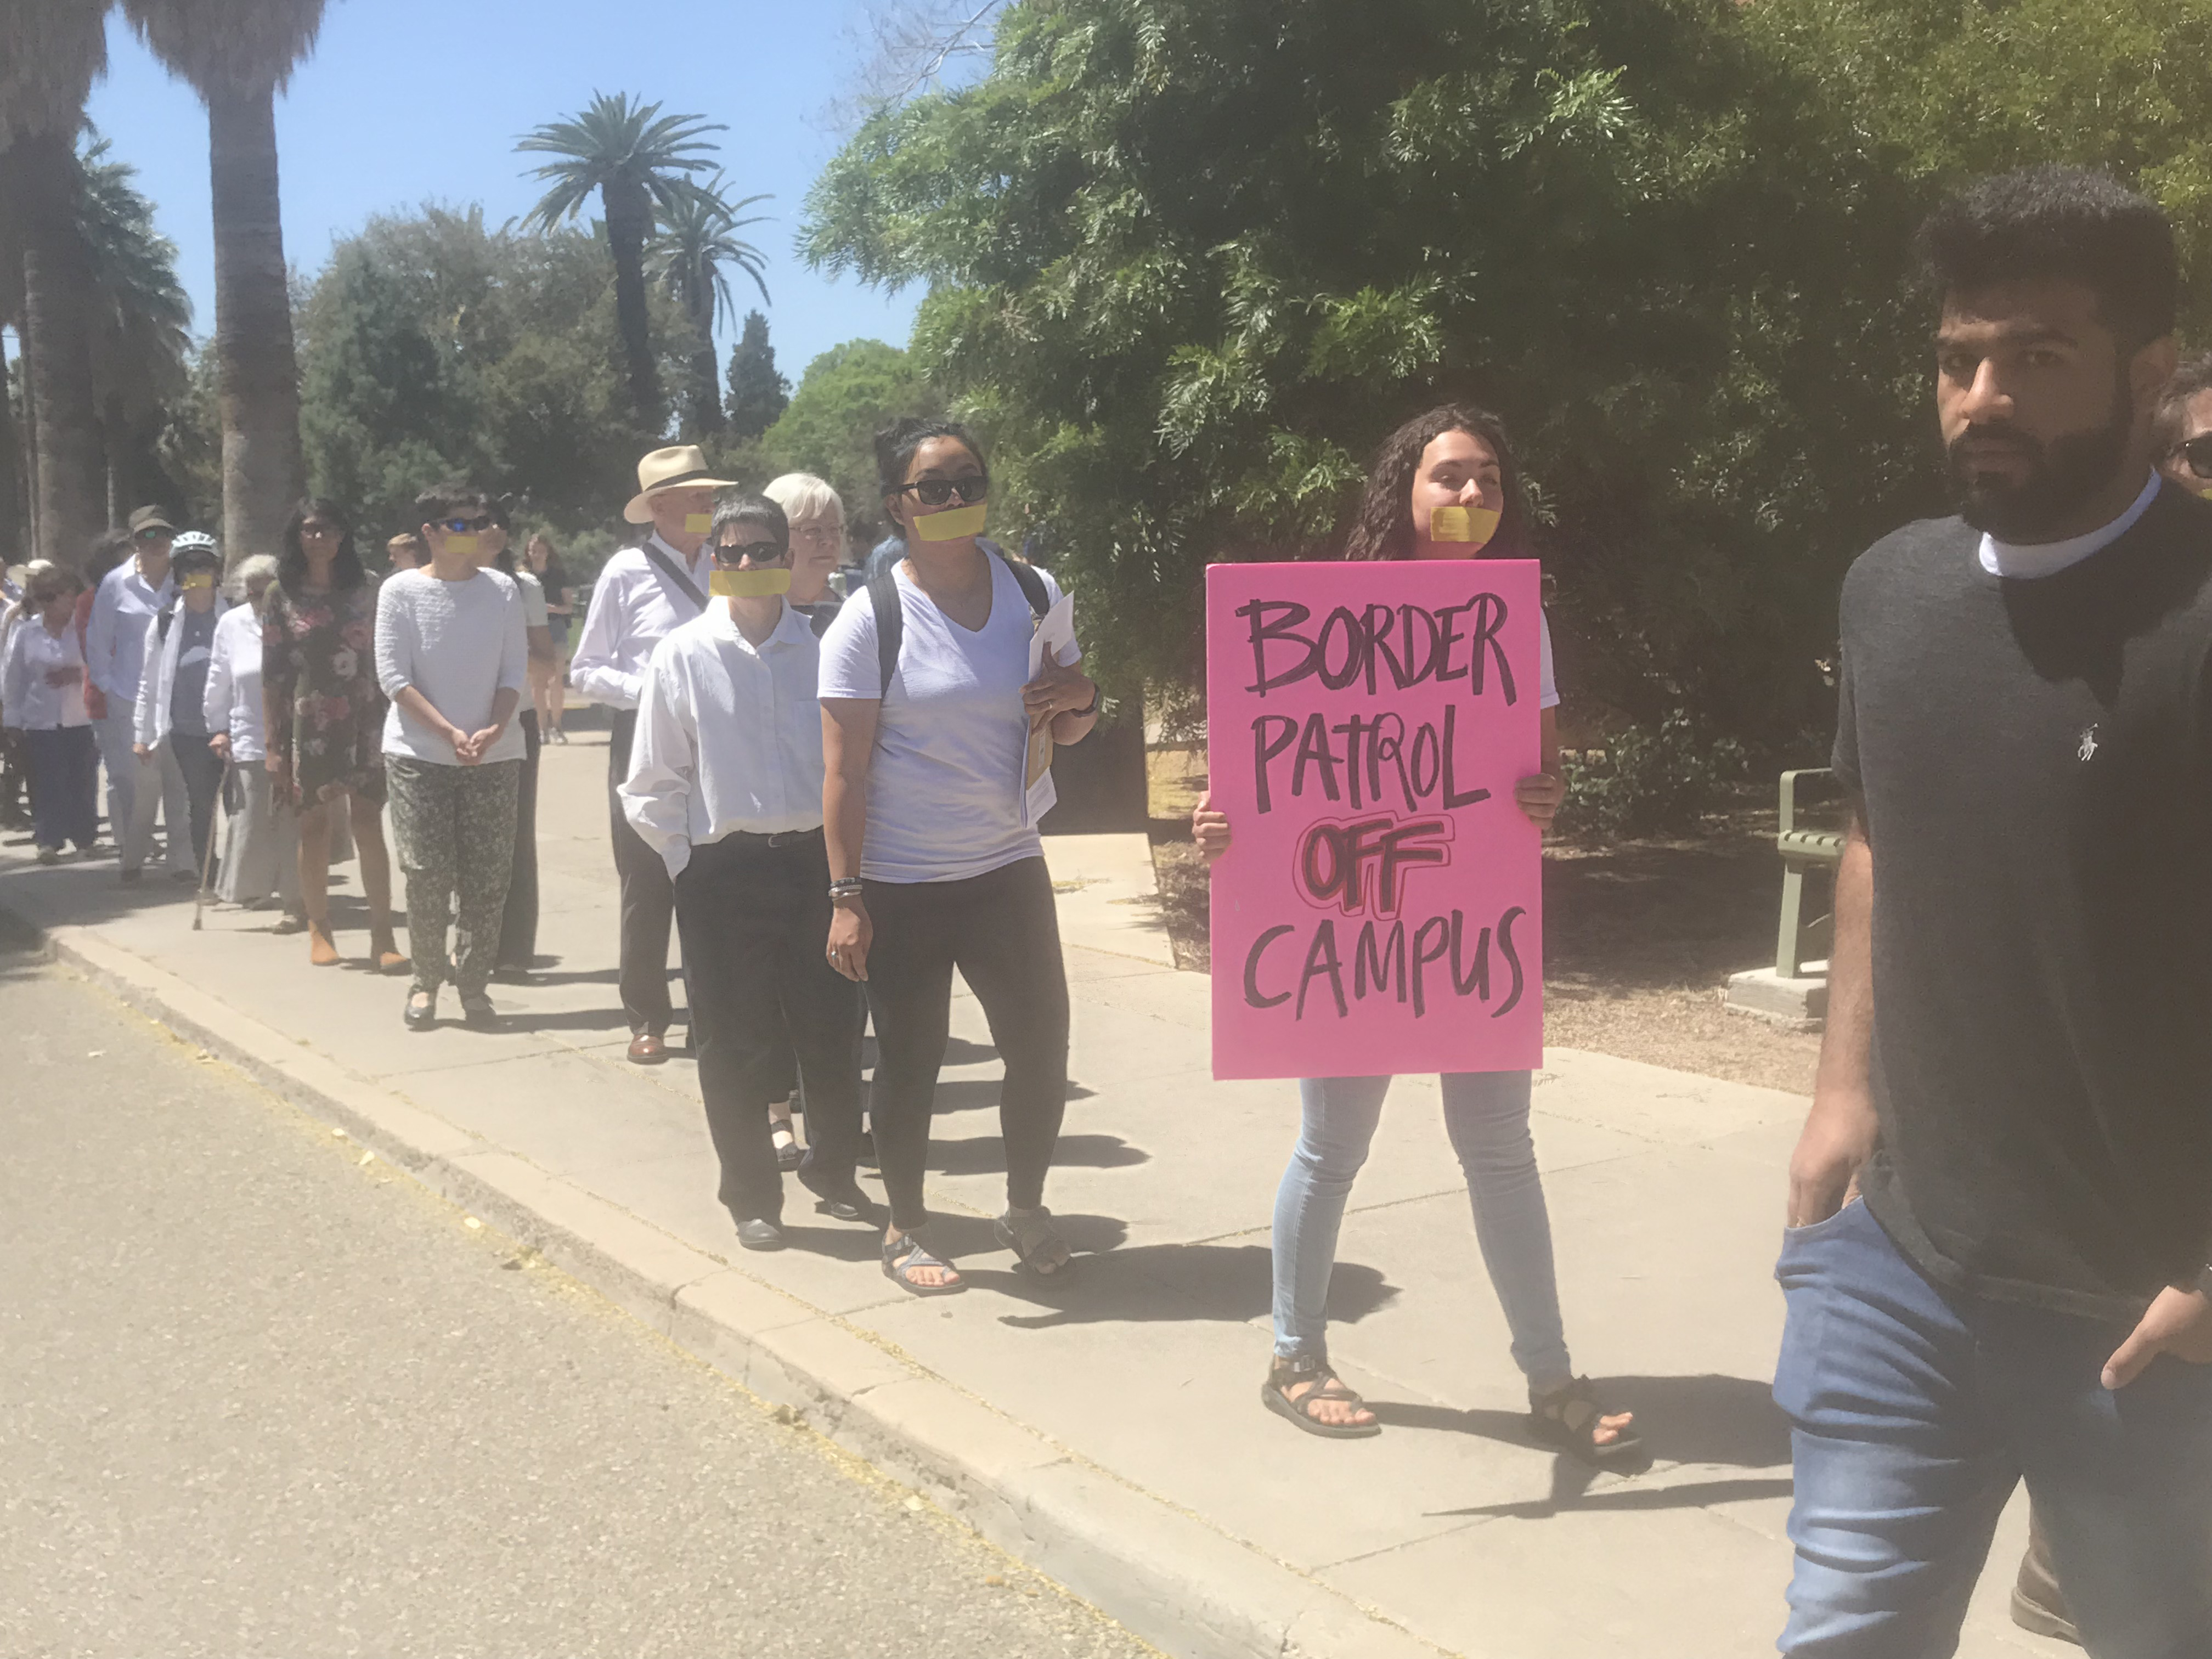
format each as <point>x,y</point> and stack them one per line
<point>680,466</point>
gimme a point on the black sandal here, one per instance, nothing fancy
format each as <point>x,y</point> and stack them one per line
<point>1568,1417</point>
<point>1286,1374</point>
<point>905,1254</point>
<point>1036,1242</point>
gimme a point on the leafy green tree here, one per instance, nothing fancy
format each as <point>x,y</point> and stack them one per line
<point>639,161</point>
<point>140,332</point>
<point>846,395</point>
<point>1190,261</point>
<point>691,257</point>
<point>758,395</point>
<point>436,345</point>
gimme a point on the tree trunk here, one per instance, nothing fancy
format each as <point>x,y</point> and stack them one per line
<point>705,395</point>
<point>14,522</point>
<point>71,486</point>
<point>629,219</point>
<point>257,373</point>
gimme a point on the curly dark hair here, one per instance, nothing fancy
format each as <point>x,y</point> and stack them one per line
<point>1383,527</point>
<point>292,563</point>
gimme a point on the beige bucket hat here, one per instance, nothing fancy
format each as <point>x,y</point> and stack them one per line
<point>680,466</point>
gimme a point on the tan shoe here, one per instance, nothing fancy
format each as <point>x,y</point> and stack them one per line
<point>384,952</point>
<point>320,951</point>
<point>2037,1603</point>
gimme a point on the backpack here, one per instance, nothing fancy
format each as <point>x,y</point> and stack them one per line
<point>890,613</point>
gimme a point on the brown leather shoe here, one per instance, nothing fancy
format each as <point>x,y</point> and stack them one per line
<point>2038,1604</point>
<point>646,1049</point>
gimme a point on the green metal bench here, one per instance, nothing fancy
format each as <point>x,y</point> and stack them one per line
<point>1804,851</point>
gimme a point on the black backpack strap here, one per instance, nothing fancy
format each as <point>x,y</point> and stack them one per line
<point>162,621</point>
<point>891,623</point>
<point>890,615</point>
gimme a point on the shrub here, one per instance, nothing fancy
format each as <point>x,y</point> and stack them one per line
<point>1647,783</point>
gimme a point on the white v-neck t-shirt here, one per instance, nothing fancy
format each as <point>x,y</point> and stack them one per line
<point>945,783</point>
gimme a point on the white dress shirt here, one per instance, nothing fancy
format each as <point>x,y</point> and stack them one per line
<point>729,736</point>
<point>27,701</point>
<point>634,608</point>
<point>233,684</point>
<point>115,633</point>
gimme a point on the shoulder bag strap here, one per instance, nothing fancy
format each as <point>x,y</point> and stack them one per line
<point>891,623</point>
<point>682,580</point>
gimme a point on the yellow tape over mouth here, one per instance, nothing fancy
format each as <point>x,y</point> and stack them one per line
<point>463,544</point>
<point>955,525</point>
<point>749,584</point>
<point>698,523</point>
<point>197,579</point>
<point>1476,524</point>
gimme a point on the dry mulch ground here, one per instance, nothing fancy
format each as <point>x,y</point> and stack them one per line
<point>1639,936</point>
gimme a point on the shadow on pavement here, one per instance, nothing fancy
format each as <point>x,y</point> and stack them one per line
<point>1229,1283</point>
<point>987,1154</point>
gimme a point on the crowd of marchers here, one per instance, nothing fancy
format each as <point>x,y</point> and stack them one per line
<point>2000,1211</point>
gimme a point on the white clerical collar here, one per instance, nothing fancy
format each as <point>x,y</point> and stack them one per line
<point>2030,561</point>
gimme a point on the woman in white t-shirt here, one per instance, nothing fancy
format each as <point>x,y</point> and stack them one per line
<point>1455,458</point>
<point>933,865</point>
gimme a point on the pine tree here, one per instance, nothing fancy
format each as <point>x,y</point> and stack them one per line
<point>758,395</point>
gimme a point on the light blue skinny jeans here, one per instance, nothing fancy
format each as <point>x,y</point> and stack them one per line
<point>1486,1115</point>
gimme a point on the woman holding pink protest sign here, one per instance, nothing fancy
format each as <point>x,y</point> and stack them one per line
<point>1444,486</point>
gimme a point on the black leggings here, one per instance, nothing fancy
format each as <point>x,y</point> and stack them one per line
<point>1001,929</point>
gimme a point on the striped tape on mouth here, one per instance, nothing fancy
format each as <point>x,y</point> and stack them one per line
<point>1476,524</point>
<point>749,584</point>
<point>957,524</point>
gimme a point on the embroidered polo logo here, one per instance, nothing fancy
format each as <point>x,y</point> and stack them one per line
<point>2088,752</point>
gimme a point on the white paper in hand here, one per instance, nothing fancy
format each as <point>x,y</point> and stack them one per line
<point>1054,633</point>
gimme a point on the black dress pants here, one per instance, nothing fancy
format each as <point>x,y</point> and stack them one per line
<point>517,922</point>
<point>1002,931</point>
<point>649,901</point>
<point>754,913</point>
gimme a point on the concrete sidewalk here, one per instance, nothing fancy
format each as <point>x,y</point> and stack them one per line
<point>1108,1430</point>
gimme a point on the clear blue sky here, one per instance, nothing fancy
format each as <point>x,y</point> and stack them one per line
<point>412,100</point>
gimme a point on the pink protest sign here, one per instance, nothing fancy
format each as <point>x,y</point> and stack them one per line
<point>1379,911</point>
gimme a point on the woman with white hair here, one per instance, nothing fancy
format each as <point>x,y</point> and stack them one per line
<point>817,543</point>
<point>261,844</point>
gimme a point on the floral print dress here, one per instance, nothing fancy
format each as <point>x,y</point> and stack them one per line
<point>318,675</point>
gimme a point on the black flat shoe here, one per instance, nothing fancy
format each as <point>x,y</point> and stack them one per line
<point>845,1203</point>
<point>758,1235</point>
<point>422,1015</point>
<point>478,1015</point>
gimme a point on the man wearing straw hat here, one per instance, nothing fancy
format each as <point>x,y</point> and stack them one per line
<point>644,594</point>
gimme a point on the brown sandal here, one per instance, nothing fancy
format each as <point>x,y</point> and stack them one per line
<point>1286,1374</point>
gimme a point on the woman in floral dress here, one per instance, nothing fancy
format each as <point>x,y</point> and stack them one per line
<point>326,717</point>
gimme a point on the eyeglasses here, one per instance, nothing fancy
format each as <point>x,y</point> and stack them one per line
<point>153,532</point>
<point>814,532</point>
<point>459,527</point>
<point>737,552</point>
<point>2197,451</point>
<point>936,492</point>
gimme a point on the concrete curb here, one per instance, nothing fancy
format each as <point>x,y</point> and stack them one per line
<point>1188,1588</point>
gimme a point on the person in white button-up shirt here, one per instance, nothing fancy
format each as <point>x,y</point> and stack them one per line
<point>725,786</point>
<point>644,595</point>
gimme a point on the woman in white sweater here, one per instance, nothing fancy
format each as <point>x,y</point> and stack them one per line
<point>261,845</point>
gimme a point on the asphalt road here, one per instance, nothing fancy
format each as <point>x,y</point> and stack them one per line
<point>257,1398</point>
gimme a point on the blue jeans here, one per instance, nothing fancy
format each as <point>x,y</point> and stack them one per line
<point>1486,1115</point>
<point>1913,1412</point>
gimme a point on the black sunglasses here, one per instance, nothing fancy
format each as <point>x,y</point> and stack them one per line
<point>936,492</point>
<point>2197,451</point>
<point>153,532</point>
<point>457,525</point>
<point>737,552</point>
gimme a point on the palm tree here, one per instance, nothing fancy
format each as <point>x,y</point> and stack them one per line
<point>638,160</point>
<point>51,51</point>
<point>691,257</point>
<point>237,54</point>
<point>141,325</point>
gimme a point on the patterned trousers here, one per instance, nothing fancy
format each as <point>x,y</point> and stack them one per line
<point>455,826</point>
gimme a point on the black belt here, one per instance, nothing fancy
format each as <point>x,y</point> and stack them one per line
<point>779,838</point>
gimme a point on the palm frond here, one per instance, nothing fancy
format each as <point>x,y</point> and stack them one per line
<point>695,248</point>
<point>617,139</point>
